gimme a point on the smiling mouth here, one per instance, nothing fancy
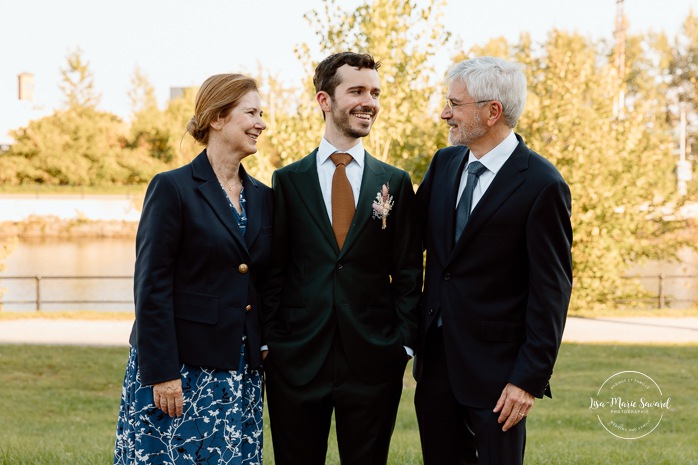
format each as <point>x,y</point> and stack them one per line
<point>364,116</point>
<point>253,136</point>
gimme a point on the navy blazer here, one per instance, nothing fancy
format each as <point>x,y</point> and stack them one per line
<point>503,289</point>
<point>196,275</point>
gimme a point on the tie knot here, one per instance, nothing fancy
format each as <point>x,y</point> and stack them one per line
<point>476,168</point>
<point>339,158</point>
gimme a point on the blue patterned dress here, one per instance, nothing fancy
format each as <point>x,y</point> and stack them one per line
<point>222,419</point>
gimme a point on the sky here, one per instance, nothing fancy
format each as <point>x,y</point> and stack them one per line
<point>179,43</point>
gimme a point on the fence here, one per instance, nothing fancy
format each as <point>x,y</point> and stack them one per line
<point>39,300</point>
<point>661,299</point>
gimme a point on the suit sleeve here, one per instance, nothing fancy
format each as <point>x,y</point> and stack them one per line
<point>157,246</point>
<point>422,202</point>
<point>407,263</point>
<point>549,241</point>
<point>275,276</point>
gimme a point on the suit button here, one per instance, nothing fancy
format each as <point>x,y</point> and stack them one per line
<point>339,266</point>
<point>248,308</point>
<point>431,311</point>
<point>447,276</point>
<point>243,268</point>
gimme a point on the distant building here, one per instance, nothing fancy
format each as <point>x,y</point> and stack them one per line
<point>25,89</point>
<point>18,107</point>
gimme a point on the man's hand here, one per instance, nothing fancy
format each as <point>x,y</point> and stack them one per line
<point>513,405</point>
<point>168,397</point>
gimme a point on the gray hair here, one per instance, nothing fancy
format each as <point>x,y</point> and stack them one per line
<point>491,78</point>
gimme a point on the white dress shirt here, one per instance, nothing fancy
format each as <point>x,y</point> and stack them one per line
<point>493,161</point>
<point>325,171</point>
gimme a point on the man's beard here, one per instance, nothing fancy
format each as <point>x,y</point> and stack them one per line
<point>466,134</point>
<point>343,122</point>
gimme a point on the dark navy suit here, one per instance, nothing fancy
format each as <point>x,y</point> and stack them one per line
<point>502,290</point>
<point>196,275</point>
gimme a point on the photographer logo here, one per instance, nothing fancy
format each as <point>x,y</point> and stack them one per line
<point>629,405</point>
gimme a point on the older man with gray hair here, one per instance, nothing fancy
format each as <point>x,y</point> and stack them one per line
<point>496,228</point>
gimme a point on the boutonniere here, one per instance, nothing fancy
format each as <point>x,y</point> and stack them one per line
<point>383,204</point>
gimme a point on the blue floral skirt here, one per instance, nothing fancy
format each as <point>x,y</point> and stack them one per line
<point>221,424</point>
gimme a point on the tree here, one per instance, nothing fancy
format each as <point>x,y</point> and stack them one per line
<point>619,171</point>
<point>177,114</point>
<point>148,126</point>
<point>78,83</point>
<point>404,39</point>
<point>79,145</point>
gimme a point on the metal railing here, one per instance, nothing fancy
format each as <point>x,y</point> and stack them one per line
<point>661,299</point>
<point>662,296</point>
<point>38,300</point>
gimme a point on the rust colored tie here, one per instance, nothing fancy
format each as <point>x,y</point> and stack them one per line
<point>342,198</point>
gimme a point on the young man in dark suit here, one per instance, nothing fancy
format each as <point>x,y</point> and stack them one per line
<point>496,227</point>
<point>341,307</point>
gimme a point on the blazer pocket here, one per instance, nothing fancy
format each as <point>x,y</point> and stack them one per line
<point>501,332</point>
<point>199,308</point>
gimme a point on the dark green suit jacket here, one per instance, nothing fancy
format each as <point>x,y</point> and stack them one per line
<point>366,294</point>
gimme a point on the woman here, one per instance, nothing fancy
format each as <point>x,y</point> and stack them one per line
<point>193,388</point>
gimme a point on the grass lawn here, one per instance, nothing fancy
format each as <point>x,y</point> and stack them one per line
<point>58,405</point>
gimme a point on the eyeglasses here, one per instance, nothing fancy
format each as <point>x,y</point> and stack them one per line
<point>452,105</point>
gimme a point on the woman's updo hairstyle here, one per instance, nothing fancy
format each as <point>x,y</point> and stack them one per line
<point>216,97</point>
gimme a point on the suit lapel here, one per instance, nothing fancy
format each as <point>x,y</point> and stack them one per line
<point>506,182</point>
<point>373,178</point>
<point>211,191</point>
<point>305,181</point>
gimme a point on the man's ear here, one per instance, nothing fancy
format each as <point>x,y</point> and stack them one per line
<point>324,100</point>
<point>496,112</point>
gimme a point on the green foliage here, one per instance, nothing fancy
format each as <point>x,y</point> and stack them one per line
<point>620,165</point>
<point>160,134</point>
<point>176,116</point>
<point>619,169</point>
<point>148,133</point>
<point>78,83</point>
<point>404,40</point>
<point>78,146</point>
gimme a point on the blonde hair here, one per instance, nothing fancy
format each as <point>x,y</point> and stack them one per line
<point>216,97</point>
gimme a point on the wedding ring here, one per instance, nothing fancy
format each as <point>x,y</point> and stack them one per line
<point>522,414</point>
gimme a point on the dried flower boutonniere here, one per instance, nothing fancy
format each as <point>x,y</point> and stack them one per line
<point>383,204</point>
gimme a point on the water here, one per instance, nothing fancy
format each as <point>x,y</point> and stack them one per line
<point>116,256</point>
<point>70,257</point>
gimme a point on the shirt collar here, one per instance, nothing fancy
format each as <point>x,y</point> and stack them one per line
<point>326,149</point>
<point>495,158</point>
